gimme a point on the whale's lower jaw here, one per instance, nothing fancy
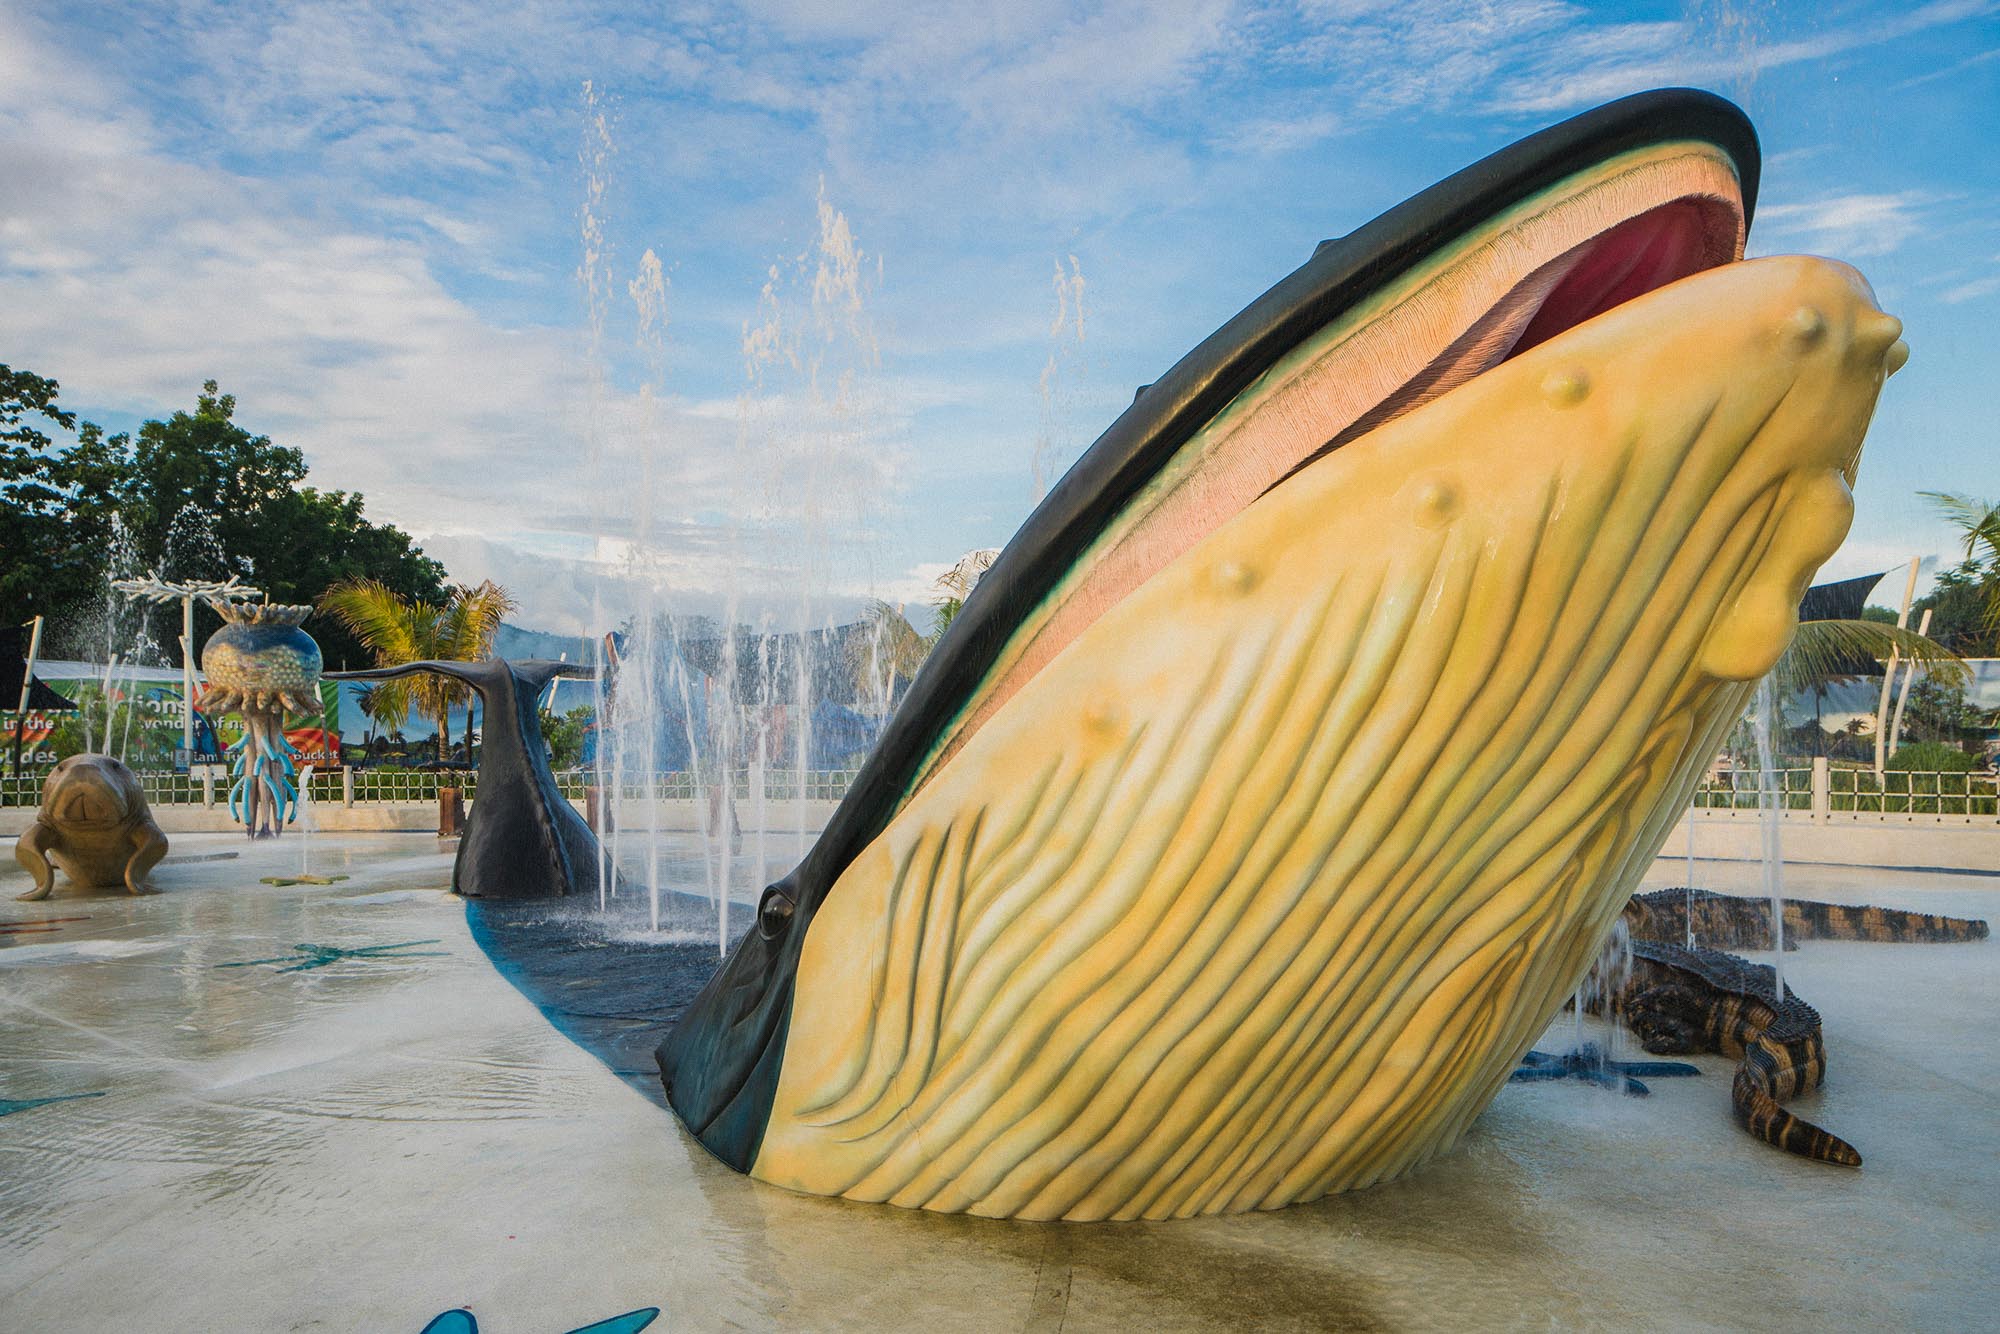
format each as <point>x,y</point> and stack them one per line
<point>1260,888</point>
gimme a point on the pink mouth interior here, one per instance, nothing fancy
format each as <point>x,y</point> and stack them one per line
<point>1699,226</point>
<point>1658,247</point>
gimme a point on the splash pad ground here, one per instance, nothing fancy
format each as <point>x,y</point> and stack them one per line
<point>364,1133</point>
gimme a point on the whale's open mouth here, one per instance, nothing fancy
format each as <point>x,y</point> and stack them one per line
<point>1603,236</point>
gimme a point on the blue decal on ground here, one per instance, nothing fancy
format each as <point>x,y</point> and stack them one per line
<point>461,1322</point>
<point>1588,1063</point>
<point>9,1106</point>
<point>629,1323</point>
<point>306,957</point>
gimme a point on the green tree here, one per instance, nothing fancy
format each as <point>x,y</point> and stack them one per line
<point>1957,604</point>
<point>290,540</point>
<point>327,541</point>
<point>198,496</point>
<point>1939,711</point>
<point>56,503</point>
<point>1930,757</point>
<point>385,704</point>
<point>1967,598</point>
<point>1825,652</point>
<point>398,629</point>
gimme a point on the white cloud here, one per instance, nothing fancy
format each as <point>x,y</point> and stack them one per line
<point>1735,49</point>
<point>1278,135</point>
<point>361,218</point>
<point>1381,57</point>
<point>1851,225</point>
<point>1971,291</point>
<point>134,275</point>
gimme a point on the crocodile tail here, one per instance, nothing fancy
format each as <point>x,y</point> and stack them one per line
<point>1763,1117</point>
<point>1806,919</point>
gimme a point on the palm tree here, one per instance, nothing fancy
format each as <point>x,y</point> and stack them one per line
<point>1981,521</point>
<point>385,704</point>
<point>399,630</point>
<point>1825,652</point>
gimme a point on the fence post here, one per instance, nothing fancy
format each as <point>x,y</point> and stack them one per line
<point>1822,788</point>
<point>207,787</point>
<point>347,785</point>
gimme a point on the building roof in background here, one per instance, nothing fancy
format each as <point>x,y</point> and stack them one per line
<point>14,674</point>
<point>70,669</point>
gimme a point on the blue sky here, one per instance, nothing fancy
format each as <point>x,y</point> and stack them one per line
<point>366,220</point>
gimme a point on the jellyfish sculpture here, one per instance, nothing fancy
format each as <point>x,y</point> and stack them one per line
<point>259,664</point>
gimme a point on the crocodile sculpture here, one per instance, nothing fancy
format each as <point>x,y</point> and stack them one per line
<point>1681,1000</point>
<point>1732,922</point>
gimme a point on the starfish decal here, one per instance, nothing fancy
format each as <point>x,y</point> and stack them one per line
<point>304,958</point>
<point>9,1106</point>
<point>1588,1063</point>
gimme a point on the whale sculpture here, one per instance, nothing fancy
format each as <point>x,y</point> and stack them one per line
<point>523,839</point>
<point>1280,779</point>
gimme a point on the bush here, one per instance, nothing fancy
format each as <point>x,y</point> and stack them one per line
<point>1929,757</point>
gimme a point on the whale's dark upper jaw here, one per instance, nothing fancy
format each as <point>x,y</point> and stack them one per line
<point>721,1062</point>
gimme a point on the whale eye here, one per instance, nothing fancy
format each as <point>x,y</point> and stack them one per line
<point>774,913</point>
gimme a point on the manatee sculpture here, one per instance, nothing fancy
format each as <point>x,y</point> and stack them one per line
<point>259,664</point>
<point>523,839</point>
<point>1279,781</point>
<point>93,825</point>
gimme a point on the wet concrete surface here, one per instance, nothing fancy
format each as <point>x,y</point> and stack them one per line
<point>363,1133</point>
<point>604,976</point>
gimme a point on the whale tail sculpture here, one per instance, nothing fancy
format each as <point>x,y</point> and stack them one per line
<point>523,839</point>
<point>1279,780</point>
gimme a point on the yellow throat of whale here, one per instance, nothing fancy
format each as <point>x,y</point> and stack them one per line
<point>1260,887</point>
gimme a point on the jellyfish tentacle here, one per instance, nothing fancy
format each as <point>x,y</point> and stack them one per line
<point>277,805</point>
<point>259,665</point>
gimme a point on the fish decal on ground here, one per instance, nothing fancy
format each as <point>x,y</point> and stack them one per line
<point>1278,782</point>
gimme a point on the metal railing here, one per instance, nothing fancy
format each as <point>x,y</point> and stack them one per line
<point>331,787</point>
<point>1824,792</point>
<point>394,785</point>
<point>679,785</point>
<point>1742,790</point>
<point>1819,792</point>
<point>1968,795</point>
